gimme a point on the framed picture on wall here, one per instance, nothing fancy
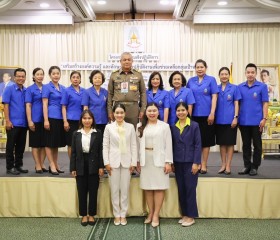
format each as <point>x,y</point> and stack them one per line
<point>269,74</point>
<point>6,77</point>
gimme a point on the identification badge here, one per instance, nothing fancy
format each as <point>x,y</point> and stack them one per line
<point>124,87</point>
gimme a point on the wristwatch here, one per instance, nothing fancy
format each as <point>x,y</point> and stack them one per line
<point>265,118</point>
<point>169,163</point>
<point>235,116</point>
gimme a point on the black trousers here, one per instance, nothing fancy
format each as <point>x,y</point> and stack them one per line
<point>15,145</point>
<point>87,186</point>
<point>249,133</point>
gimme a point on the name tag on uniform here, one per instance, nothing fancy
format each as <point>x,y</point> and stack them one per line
<point>124,87</point>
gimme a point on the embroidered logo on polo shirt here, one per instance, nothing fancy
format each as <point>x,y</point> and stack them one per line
<point>255,95</point>
<point>160,103</point>
<point>205,90</point>
<point>229,97</point>
<point>181,100</point>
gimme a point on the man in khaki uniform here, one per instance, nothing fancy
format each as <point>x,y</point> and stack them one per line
<point>127,86</point>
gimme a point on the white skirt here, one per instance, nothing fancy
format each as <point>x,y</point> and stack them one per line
<point>152,177</point>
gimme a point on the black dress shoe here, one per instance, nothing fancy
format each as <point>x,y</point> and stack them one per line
<point>84,224</point>
<point>59,171</point>
<point>53,173</point>
<point>253,172</point>
<point>39,171</point>
<point>227,172</point>
<point>21,170</point>
<point>244,171</point>
<point>13,171</point>
<point>91,223</point>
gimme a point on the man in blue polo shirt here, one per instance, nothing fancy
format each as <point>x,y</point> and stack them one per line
<point>16,123</point>
<point>252,118</point>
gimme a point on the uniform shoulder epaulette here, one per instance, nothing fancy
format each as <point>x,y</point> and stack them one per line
<point>115,70</point>
<point>137,70</point>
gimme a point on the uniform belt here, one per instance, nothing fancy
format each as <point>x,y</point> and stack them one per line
<point>149,149</point>
<point>127,103</point>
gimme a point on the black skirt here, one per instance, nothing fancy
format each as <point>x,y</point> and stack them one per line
<point>225,135</point>
<point>207,132</point>
<point>55,137</point>
<point>74,125</point>
<point>36,138</point>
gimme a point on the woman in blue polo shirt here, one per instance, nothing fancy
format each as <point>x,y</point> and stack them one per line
<point>179,94</point>
<point>156,94</point>
<point>71,107</point>
<point>205,91</point>
<point>54,135</point>
<point>95,99</point>
<point>34,113</point>
<point>226,119</point>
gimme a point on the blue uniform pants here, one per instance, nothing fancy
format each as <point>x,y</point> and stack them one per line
<point>186,183</point>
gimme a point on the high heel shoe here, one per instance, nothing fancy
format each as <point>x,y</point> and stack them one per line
<point>53,173</point>
<point>44,170</point>
<point>38,171</point>
<point>147,221</point>
<point>155,224</point>
<point>59,171</point>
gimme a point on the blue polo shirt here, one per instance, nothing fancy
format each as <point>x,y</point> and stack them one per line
<point>251,104</point>
<point>54,96</point>
<point>14,96</point>
<point>225,103</point>
<point>161,98</point>
<point>203,94</point>
<point>97,104</point>
<point>72,100</point>
<point>184,95</point>
<point>33,95</point>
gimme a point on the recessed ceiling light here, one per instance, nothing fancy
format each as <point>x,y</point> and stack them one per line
<point>101,2</point>
<point>222,3</point>
<point>44,5</point>
<point>164,2</point>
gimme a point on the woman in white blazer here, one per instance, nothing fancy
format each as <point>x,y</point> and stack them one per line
<point>120,160</point>
<point>155,159</point>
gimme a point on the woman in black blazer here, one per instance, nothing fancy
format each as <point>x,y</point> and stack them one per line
<point>86,165</point>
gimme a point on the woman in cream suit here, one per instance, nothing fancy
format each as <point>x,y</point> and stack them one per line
<point>155,156</point>
<point>120,160</point>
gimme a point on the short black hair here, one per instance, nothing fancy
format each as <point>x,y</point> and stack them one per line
<point>94,72</point>
<point>201,61</point>
<point>19,70</point>
<point>52,68</point>
<point>75,72</point>
<point>252,65</point>
<point>36,70</point>
<point>184,81</point>
<point>224,68</point>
